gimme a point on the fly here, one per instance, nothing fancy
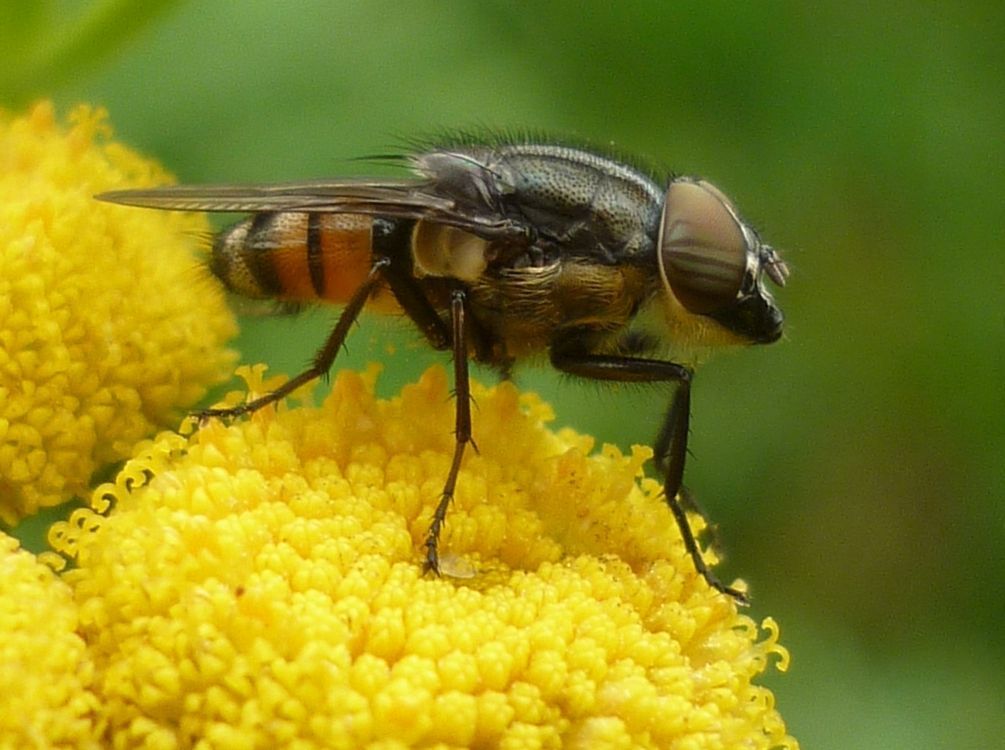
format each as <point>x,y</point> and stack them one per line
<point>501,250</point>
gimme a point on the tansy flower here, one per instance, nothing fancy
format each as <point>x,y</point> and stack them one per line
<point>46,674</point>
<point>108,326</point>
<point>259,584</point>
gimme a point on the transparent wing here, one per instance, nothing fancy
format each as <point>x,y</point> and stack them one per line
<point>320,195</point>
<point>406,199</point>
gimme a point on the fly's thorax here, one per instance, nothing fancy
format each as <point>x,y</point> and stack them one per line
<point>588,203</point>
<point>712,265</point>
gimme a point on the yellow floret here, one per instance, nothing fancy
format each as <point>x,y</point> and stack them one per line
<point>260,584</point>
<point>46,674</point>
<point>108,325</point>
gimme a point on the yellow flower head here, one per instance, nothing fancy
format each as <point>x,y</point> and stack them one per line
<point>108,325</point>
<point>46,674</point>
<point>260,584</point>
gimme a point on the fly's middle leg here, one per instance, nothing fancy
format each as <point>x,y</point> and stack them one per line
<point>462,425</point>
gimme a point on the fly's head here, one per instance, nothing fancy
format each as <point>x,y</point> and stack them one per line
<point>712,265</point>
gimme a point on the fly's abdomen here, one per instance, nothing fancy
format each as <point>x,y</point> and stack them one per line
<point>295,257</point>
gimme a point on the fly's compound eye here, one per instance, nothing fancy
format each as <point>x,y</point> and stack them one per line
<point>703,252</point>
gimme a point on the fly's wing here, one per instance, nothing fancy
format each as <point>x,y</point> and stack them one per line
<point>403,199</point>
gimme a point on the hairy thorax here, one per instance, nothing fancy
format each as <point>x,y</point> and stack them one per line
<point>531,308</point>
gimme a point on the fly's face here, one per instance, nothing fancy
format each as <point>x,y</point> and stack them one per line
<point>713,263</point>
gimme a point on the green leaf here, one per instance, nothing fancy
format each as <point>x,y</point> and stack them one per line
<point>39,50</point>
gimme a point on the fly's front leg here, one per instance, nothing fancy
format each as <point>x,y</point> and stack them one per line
<point>670,453</point>
<point>462,425</point>
<point>671,444</point>
<point>325,356</point>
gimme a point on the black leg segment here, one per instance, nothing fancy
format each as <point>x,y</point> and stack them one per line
<point>462,425</point>
<point>325,356</point>
<point>392,238</point>
<point>671,444</point>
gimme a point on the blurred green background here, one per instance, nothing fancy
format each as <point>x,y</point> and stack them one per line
<point>855,469</point>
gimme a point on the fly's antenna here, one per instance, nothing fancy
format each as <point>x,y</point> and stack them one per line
<point>773,264</point>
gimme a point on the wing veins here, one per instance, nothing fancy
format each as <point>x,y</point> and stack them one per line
<point>404,199</point>
<point>315,195</point>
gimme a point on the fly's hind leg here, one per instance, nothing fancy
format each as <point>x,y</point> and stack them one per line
<point>462,425</point>
<point>325,356</point>
<point>671,444</point>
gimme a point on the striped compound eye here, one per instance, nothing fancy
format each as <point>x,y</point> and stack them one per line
<point>704,254</point>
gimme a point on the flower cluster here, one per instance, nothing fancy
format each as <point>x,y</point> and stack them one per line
<point>46,673</point>
<point>108,325</point>
<point>260,584</point>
